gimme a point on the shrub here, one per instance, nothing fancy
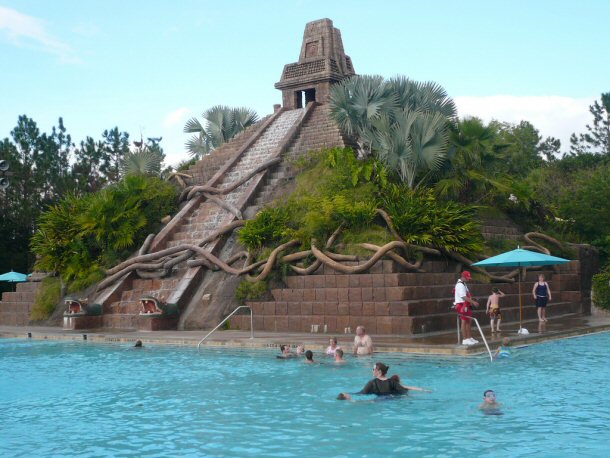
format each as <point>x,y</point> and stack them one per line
<point>81,236</point>
<point>422,220</point>
<point>601,289</point>
<point>268,227</point>
<point>46,299</point>
<point>247,291</point>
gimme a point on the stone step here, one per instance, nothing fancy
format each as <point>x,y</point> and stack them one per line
<point>28,286</point>
<point>16,307</point>
<point>439,322</point>
<point>416,279</point>
<point>14,318</point>
<point>382,324</point>
<point>335,325</point>
<point>19,296</point>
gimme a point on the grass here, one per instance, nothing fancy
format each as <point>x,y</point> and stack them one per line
<point>46,300</point>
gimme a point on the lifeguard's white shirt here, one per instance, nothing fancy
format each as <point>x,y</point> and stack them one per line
<point>461,290</point>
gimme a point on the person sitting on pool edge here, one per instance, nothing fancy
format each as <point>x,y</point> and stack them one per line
<point>363,344</point>
<point>380,385</point>
<point>339,356</point>
<point>490,406</point>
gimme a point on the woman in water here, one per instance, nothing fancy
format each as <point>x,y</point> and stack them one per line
<point>381,385</point>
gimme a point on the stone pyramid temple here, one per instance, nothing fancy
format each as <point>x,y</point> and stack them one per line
<point>187,293</point>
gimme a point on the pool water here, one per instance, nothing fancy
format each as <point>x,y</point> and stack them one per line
<point>88,399</point>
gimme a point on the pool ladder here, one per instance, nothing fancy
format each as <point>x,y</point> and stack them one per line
<point>480,332</point>
<point>226,319</point>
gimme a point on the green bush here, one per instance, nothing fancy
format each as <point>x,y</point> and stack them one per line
<point>601,290</point>
<point>81,236</point>
<point>247,291</point>
<point>423,220</point>
<point>46,299</point>
<point>268,227</point>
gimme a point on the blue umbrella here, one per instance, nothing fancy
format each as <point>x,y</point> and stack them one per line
<point>14,277</point>
<point>521,258</point>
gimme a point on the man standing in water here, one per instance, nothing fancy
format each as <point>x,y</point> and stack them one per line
<point>463,305</point>
<point>363,345</point>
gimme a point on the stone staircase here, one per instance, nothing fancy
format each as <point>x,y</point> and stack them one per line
<point>387,300</point>
<point>216,296</point>
<point>197,220</point>
<point>500,228</point>
<point>16,307</point>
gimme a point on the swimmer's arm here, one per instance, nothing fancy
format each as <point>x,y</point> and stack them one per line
<point>534,290</point>
<point>416,388</point>
<point>488,304</point>
<point>548,290</point>
<point>501,293</point>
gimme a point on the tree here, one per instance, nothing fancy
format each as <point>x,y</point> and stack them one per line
<point>146,160</point>
<point>587,206</point>
<point>520,147</point>
<point>220,124</point>
<point>597,139</point>
<point>403,122</point>
<point>471,172</point>
<point>97,163</point>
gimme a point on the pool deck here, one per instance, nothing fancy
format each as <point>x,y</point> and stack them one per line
<point>431,344</point>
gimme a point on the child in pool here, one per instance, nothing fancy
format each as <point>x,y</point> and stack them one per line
<point>490,406</point>
<point>309,357</point>
<point>339,356</point>
<point>503,350</point>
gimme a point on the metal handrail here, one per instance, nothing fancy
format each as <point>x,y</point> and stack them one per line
<point>223,322</point>
<point>480,332</point>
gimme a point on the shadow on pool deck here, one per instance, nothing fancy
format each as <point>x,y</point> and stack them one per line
<point>438,344</point>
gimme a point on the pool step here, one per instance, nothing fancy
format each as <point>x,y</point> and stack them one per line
<point>16,306</point>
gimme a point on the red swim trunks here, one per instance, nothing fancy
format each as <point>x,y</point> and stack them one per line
<point>464,310</point>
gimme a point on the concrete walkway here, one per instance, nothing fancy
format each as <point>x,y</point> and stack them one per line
<point>437,344</point>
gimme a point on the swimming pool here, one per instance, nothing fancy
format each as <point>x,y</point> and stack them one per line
<point>62,398</point>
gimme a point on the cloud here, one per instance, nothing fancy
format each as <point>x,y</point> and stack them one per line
<point>24,30</point>
<point>553,116</point>
<point>175,117</point>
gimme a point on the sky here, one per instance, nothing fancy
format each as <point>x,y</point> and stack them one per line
<point>148,66</point>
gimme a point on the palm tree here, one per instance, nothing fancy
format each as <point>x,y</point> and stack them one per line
<point>403,122</point>
<point>356,102</point>
<point>470,173</point>
<point>220,124</point>
<point>145,161</point>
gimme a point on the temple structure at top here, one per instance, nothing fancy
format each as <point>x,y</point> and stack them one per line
<point>322,62</point>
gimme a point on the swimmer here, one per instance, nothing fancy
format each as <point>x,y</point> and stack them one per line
<point>339,356</point>
<point>396,378</point>
<point>309,357</point>
<point>300,350</point>
<point>138,344</point>
<point>490,406</point>
<point>286,354</point>
<point>503,350</point>
<point>332,347</point>
<point>381,385</point>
